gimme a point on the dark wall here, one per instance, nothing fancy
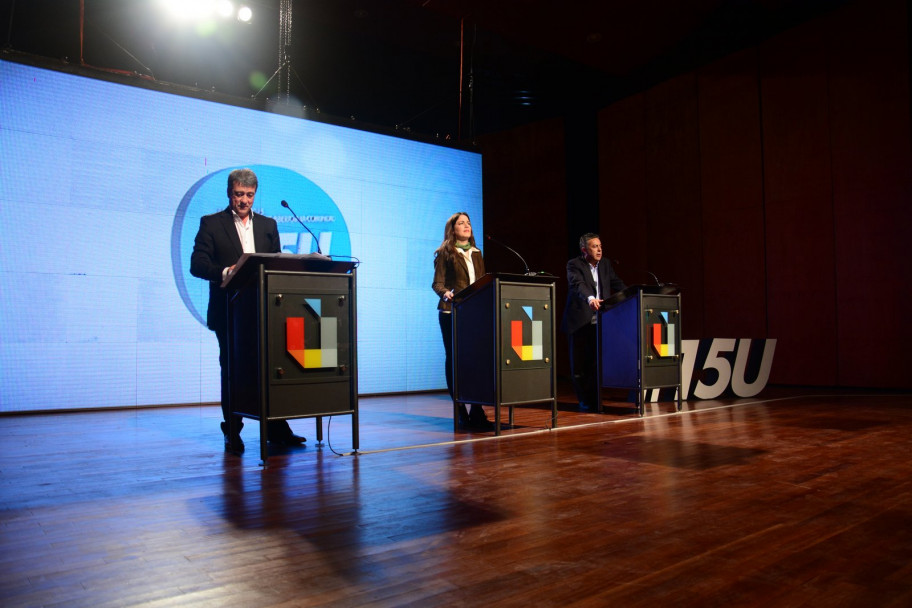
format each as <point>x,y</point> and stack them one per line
<point>525,193</point>
<point>526,198</point>
<point>798,202</point>
<point>869,109</point>
<point>775,186</point>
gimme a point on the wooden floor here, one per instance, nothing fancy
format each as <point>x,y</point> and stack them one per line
<point>790,499</point>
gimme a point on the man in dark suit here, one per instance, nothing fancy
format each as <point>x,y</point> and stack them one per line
<point>221,240</point>
<point>591,279</point>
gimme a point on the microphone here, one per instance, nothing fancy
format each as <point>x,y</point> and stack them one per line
<point>316,240</point>
<point>511,250</point>
<point>656,279</point>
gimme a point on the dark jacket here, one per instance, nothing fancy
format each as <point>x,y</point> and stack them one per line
<point>454,276</point>
<point>218,246</point>
<point>580,286</point>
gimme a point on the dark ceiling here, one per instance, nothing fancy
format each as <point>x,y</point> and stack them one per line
<point>396,64</point>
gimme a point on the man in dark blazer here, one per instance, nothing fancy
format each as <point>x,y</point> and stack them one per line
<point>591,280</point>
<point>221,240</point>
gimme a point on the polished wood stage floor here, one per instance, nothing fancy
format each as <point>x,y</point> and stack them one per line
<point>794,498</point>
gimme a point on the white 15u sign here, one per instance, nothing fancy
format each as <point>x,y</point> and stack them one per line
<point>713,366</point>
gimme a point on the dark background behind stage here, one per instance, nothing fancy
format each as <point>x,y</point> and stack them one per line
<point>774,185</point>
<point>757,153</point>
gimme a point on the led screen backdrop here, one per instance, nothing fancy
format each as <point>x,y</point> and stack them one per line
<point>103,187</point>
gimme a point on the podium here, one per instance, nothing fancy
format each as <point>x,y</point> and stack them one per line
<point>639,341</point>
<point>503,344</point>
<point>292,340</point>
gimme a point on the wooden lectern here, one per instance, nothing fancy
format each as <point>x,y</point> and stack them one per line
<point>292,340</point>
<point>503,344</point>
<point>639,341</point>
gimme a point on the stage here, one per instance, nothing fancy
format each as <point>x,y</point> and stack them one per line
<point>797,497</point>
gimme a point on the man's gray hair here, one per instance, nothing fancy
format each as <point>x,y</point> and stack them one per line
<point>584,240</point>
<point>244,177</point>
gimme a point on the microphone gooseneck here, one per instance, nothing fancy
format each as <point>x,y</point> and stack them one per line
<point>316,240</point>
<point>511,250</point>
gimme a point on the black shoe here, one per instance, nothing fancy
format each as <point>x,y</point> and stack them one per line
<point>233,444</point>
<point>464,421</point>
<point>290,440</point>
<point>585,407</point>
<point>478,420</point>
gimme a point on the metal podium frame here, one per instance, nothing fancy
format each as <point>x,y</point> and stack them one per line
<point>486,370</point>
<point>266,380</point>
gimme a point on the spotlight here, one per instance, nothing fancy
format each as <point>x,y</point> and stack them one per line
<point>224,8</point>
<point>186,10</point>
<point>202,10</point>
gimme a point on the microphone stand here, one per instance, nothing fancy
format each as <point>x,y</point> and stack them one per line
<point>665,287</point>
<point>511,250</point>
<point>316,240</point>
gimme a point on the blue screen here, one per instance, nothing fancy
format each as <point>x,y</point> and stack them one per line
<point>103,188</point>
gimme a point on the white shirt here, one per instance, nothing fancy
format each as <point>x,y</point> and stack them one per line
<point>467,254</point>
<point>245,233</point>
<point>594,271</point>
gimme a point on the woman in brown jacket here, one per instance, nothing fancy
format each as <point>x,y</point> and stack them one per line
<point>457,264</point>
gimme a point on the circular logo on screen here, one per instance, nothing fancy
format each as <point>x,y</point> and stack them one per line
<point>210,195</point>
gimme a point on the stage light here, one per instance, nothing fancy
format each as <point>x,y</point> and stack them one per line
<point>203,10</point>
<point>189,10</point>
<point>225,8</point>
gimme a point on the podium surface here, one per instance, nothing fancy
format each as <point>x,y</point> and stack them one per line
<point>503,343</point>
<point>292,340</point>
